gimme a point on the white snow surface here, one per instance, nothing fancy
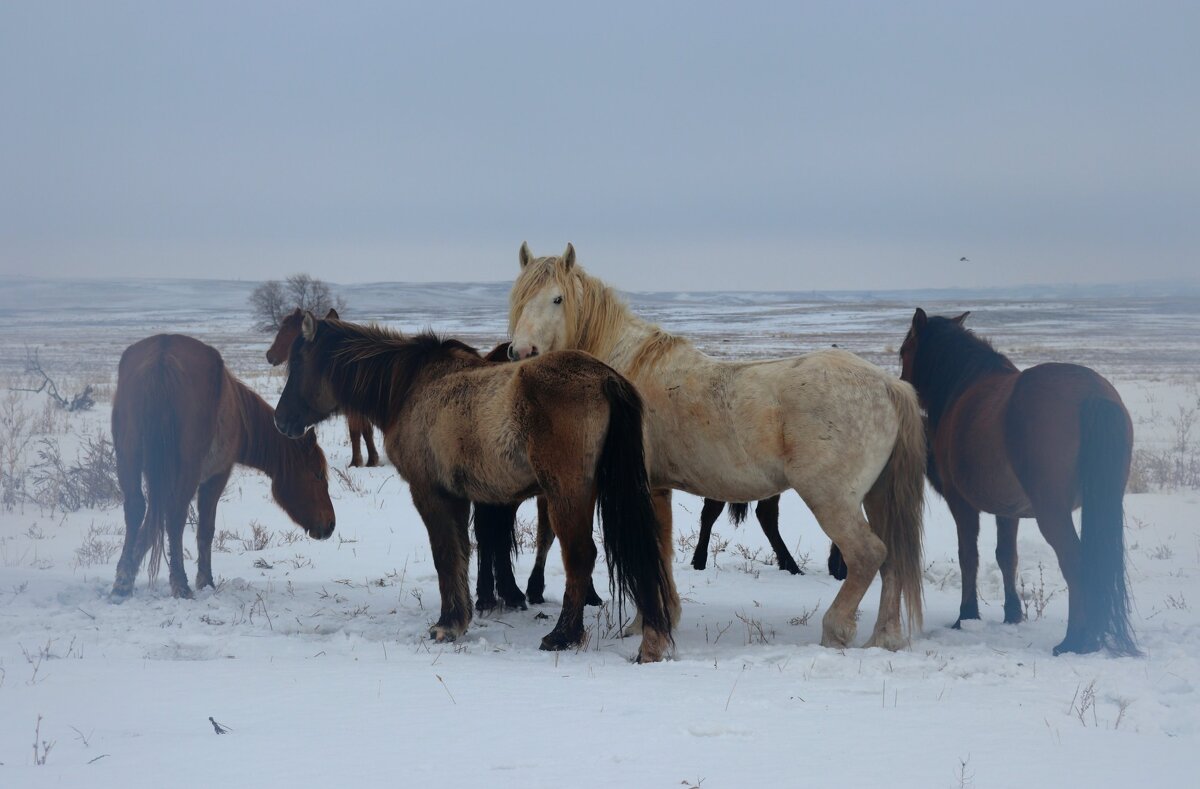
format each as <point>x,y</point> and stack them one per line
<point>316,655</point>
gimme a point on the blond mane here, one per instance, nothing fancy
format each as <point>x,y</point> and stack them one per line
<point>595,315</point>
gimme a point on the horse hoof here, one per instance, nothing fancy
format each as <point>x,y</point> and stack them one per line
<point>534,596</point>
<point>792,568</point>
<point>556,642</point>
<point>892,642</point>
<point>653,647</point>
<point>442,634</point>
<point>181,592</point>
<point>374,462</point>
<point>485,604</point>
<point>517,603</point>
<point>699,564</point>
<point>356,463</point>
<point>593,599</point>
<point>118,596</point>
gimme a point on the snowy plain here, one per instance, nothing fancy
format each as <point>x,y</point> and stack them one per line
<point>316,654</point>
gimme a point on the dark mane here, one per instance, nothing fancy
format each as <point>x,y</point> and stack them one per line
<point>374,368</point>
<point>948,358</point>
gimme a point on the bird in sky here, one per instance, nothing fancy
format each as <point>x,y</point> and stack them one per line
<point>218,728</point>
<point>963,260</point>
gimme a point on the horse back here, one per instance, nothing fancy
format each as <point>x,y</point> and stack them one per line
<point>169,393</point>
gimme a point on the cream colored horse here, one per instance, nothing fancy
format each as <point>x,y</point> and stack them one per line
<point>839,430</point>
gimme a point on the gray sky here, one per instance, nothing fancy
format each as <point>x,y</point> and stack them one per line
<point>683,146</point>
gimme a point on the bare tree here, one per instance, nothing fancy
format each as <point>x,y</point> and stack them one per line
<point>273,300</point>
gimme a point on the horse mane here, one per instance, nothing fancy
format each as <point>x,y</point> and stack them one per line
<point>263,446</point>
<point>949,357</point>
<point>374,368</point>
<point>594,314</point>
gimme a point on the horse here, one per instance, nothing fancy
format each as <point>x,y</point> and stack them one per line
<point>360,426</point>
<point>840,431</point>
<point>1037,443</point>
<point>460,430</point>
<point>182,420</point>
<point>494,527</point>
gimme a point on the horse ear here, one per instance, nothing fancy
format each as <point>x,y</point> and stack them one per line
<point>961,318</point>
<point>919,319</point>
<point>332,315</point>
<point>568,257</point>
<point>309,327</point>
<point>525,255</point>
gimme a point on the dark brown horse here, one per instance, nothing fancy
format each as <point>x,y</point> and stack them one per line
<point>767,512</point>
<point>181,420</point>
<point>460,430</point>
<point>1032,444</point>
<point>360,426</point>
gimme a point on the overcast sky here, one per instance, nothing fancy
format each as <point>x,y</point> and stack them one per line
<point>684,146</point>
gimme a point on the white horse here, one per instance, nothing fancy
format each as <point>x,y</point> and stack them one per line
<point>839,430</point>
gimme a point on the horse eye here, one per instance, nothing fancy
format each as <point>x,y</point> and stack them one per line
<point>558,299</point>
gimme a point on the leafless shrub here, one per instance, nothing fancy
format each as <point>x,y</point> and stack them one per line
<point>97,548</point>
<point>1083,702</point>
<point>349,482</point>
<point>1036,598</point>
<point>222,538</point>
<point>804,616</point>
<point>755,632</point>
<point>525,534</point>
<point>1175,467</point>
<point>16,434</point>
<point>717,547</point>
<point>686,540</point>
<point>90,481</point>
<point>272,301</point>
<point>260,537</point>
<point>82,401</point>
<point>40,753</point>
<point>1161,552</point>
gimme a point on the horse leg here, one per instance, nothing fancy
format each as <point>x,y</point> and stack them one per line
<point>129,477</point>
<point>1059,530</point>
<point>176,520</point>
<point>571,519</point>
<point>1006,557</point>
<point>863,552</point>
<point>767,512</point>
<point>446,519</point>
<point>836,564</point>
<point>664,514</point>
<point>966,518</point>
<point>368,434</point>
<point>206,521</point>
<point>485,581</point>
<point>355,435</point>
<point>708,516</point>
<point>494,535</point>
<point>536,587</point>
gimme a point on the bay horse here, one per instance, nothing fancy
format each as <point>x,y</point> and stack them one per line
<point>840,431</point>
<point>460,430</point>
<point>182,420</point>
<point>1036,444</point>
<point>360,427</point>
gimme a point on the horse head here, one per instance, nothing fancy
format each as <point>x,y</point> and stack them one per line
<point>912,341</point>
<point>302,489</point>
<point>289,330</point>
<point>543,301</point>
<point>307,396</point>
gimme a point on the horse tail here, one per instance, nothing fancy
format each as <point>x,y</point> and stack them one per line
<point>161,451</point>
<point>629,525</point>
<point>738,510</point>
<point>1105,448</point>
<point>895,504</point>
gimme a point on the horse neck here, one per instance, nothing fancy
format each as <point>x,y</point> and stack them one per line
<point>263,447</point>
<point>627,349</point>
<point>946,383</point>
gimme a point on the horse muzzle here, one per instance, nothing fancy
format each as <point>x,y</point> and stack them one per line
<point>323,532</point>
<point>516,354</point>
<point>289,427</point>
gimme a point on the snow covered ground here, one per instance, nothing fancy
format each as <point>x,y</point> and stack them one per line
<point>315,653</point>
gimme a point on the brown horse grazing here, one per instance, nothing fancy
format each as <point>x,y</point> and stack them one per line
<point>360,426</point>
<point>182,420</point>
<point>460,430</point>
<point>1032,444</point>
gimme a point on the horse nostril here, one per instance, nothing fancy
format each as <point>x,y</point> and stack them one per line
<point>533,351</point>
<point>513,355</point>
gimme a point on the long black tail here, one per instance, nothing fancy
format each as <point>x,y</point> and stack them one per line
<point>738,510</point>
<point>162,463</point>
<point>1104,453</point>
<point>630,528</point>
